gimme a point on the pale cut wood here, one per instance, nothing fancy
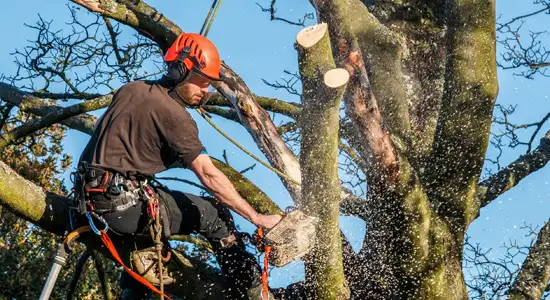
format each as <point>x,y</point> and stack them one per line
<point>336,78</point>
<point>310,36</point>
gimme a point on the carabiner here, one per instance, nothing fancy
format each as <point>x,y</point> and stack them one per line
<point>92,224</point>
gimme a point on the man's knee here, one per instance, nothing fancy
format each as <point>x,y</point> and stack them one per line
<point>216,221</point>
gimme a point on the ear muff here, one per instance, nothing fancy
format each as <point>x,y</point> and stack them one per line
<point>176,72</point>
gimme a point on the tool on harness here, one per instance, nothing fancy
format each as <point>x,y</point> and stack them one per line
<point>60,258</point>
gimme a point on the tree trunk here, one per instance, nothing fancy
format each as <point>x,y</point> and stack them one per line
<point>323,87</point>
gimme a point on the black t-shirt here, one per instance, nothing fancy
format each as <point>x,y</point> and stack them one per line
<point>143,132</point>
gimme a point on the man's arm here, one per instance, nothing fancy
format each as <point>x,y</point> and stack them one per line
<point>223,190</point>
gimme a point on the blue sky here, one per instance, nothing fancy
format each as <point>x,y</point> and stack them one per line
<point>257,48</point>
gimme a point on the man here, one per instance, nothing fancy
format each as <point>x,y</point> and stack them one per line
<point>147,130</point>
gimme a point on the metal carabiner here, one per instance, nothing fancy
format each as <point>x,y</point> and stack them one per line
<point>92,224</point>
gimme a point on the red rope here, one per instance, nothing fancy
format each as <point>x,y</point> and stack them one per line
<point>109,244</point>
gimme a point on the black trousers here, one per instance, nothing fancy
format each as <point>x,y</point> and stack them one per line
<point>190,214</point>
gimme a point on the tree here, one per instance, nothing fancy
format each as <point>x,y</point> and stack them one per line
<point>418,102</point>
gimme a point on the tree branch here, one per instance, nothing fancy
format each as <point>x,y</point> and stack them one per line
<point>463,128</point>
<point>360,102</point>
<point>497,184</point>
<point>52,118</point>
<point>272,11</point>
<point>500,26</point>
<point>79,268</point>
<point>138,15</point>
<point>382,49</point>
<point>29,103</point>
<point>534,276</point>
<point>103,280</point>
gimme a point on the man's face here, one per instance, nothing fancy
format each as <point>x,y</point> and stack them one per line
<point>194,88</point>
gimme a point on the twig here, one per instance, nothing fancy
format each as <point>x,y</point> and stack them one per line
<point>248,169</point>
<point>272,10</point>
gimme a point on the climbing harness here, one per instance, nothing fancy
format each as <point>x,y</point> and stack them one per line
<point>94,179</point>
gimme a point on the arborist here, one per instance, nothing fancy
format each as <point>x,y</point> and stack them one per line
<point>147,130</point>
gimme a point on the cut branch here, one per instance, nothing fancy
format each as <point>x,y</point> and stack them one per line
<point>360,102</point>
<point>534,276</point>
<point>323,87</point>
<point>507,178</point>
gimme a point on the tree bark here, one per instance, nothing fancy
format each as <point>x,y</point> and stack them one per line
<point>470,91</point>
<point>323,87</point>
<point>360,102</point>
<point>534,276</point>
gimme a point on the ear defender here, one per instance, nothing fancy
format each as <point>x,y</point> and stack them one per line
<point>177,70</point>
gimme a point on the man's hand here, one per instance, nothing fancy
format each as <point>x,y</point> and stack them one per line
<point>267,221</point>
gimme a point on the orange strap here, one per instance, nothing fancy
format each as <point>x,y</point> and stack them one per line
<point>265,286</point>
<point>109,244</point>
<point>265,275</point>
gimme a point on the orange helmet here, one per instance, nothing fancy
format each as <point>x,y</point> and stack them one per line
<point>199,54</point>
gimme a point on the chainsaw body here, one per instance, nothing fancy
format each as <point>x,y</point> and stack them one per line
<point>292,238</point>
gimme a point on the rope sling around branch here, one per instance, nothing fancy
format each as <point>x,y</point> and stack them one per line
<point>204,32</point>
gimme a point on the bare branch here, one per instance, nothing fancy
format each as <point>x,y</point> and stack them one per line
<point>272,11</point>
<point>288,84</point>
<point>507,178</point>
<point>501,26</point>
<point>52,118</point>
<point>39,107</point>
<point>534,276</point>
<point>532,56</point>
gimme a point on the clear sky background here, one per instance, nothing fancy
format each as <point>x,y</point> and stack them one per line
<point>257,48</point>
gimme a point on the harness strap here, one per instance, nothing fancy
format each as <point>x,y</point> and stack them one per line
<point>109,244</point>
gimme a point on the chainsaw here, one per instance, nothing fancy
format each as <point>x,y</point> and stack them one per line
<point>289,240</point>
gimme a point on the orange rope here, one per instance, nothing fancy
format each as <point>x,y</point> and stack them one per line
<point>109,244</point>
